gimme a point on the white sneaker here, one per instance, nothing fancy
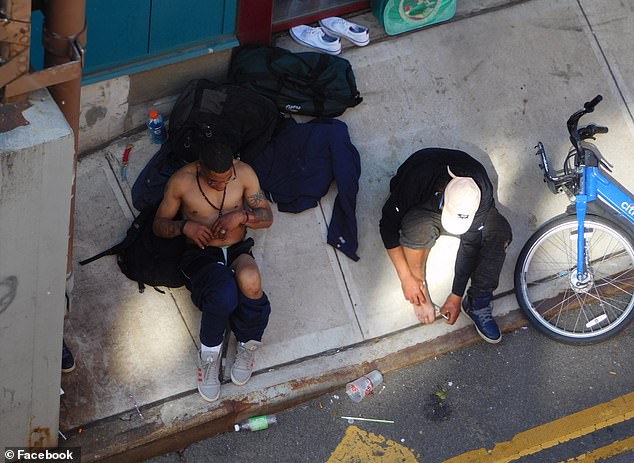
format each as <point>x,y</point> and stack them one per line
<point>339,27</point>
<point>315,37</point>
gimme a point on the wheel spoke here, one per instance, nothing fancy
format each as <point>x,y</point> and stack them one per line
<point>604,301</point>
<point>575,307</point>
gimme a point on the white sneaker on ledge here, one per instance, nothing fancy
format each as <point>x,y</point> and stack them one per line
<point>315,37</point>
<point>339,27</point>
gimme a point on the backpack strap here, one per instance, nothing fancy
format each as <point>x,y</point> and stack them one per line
<point>320,98</point>
<point>107,252</point>
<point>322,64</point>
<point>131,235</point>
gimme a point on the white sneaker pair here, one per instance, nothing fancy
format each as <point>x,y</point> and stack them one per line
<point>327,37</point>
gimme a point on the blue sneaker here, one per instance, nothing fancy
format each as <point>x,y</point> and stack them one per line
<point>483,320</point>
<point>68,361</point>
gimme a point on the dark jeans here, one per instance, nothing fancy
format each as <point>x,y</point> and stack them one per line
<point>215,292</point>
<point>481,253</point>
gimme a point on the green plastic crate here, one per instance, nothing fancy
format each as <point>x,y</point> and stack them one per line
<point>398,16</point>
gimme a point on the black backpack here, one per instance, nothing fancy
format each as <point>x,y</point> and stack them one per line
<point>149,186</point>
<point>144,257</point>
<point>310,83</point>
<point>206,110</point>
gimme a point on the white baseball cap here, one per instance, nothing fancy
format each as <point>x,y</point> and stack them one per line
<point>460,203</point>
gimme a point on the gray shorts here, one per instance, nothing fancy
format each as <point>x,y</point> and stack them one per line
<point>421,228</point>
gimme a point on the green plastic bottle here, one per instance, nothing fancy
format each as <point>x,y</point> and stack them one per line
<point>256,423</point>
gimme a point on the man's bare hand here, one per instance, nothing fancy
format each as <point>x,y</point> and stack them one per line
<point>413,290</point>
<point>198,233</point>
<point>425,313</point>
<point>227,222</point>
<point>451,307</point>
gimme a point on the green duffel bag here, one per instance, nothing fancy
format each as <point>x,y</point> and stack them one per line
<point>398,16</point>
<point>309,83</point>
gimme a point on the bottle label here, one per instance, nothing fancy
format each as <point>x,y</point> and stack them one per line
<point>258,423</point>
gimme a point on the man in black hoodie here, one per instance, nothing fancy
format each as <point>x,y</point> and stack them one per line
<point>440,191</point>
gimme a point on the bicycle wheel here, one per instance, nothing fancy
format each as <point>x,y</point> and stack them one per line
<point>556,302</point>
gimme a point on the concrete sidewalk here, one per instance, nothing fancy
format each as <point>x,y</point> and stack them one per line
<point>493,82</point>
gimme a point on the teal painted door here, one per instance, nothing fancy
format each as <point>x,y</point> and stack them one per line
<point>121,32</point>
<point>189,22</point>
<point>117,32</point>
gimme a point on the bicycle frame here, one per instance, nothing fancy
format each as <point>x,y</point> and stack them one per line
<point>595,185</point>
<point>589,297</point>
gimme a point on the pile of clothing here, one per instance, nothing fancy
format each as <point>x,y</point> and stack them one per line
<point>298,165</point>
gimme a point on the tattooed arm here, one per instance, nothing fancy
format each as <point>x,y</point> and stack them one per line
<point>257,211</point>
<point>164,225</point>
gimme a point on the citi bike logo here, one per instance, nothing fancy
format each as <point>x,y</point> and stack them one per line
<point>628,208</point>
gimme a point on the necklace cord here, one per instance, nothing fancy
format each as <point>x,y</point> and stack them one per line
<point>224,194</point>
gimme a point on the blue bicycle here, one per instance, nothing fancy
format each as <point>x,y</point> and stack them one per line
<point>574,278</point>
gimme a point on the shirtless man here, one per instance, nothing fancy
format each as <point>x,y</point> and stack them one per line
<point>218,198</point>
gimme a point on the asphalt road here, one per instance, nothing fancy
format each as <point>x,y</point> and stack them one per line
<point>458,403</point>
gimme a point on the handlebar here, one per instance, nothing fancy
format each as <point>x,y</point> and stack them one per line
<point>576,135</point>
<point>589,105</point>
<point>566,179</point>
<point>590,131</point>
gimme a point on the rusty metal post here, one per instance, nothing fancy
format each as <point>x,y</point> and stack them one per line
<point>64,31</point>
<point>15,40</point>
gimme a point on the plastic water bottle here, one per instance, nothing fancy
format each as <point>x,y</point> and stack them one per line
<point>256,423</point>
<point>361,387</point>
<point>158,134</point>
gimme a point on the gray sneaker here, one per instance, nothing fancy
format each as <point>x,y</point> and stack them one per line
<point>243,365</point>
<point>208,371</point>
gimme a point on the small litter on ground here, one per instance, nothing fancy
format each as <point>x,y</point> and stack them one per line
<point>352,419</point>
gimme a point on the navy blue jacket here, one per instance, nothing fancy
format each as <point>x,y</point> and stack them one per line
<point>298,165</point>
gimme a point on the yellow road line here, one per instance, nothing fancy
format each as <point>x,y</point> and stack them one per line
<point>609,451</point>
<point>358,446</point>
<point>554,433</point>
